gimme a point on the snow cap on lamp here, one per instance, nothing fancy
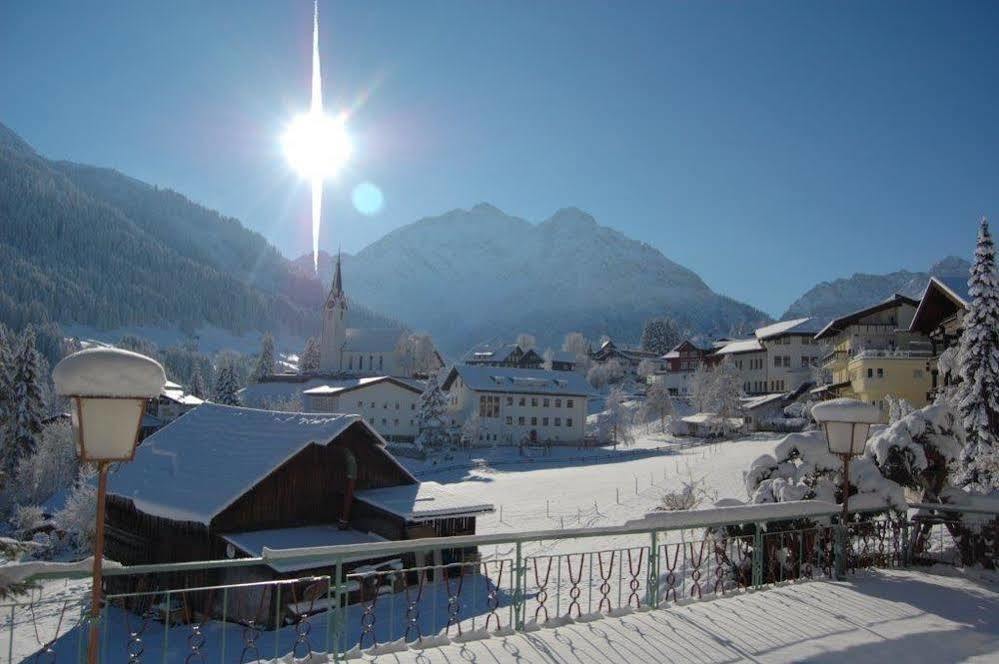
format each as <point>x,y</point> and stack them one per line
<point>109,388</point>
<point>846,423</point>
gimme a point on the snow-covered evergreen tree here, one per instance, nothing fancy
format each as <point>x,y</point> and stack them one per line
<point>197,386</point>
<point>266,359</point>
<point>978,360</point>
<point>226,385</point>
<point>26,410</point>
<point>432,425</point>
<point>660,335</point>
<point>309,361</point>
<point>6,379</point>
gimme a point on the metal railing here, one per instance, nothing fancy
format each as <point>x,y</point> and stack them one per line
<point>490,585</point>
<point>892,354</point>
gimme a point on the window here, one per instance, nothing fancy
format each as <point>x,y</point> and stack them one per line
<point>568,421</point>
<point>373,404</point>
<point>545,403</point>
<point>544,421</point>
<point>384,422</point>
<point>350,362</point>
<point>509,420</point>
<point>395,421</point>
<point>870,373</point>
<point>385,406</point>
<point>776,360</point>
<point>558,421</point>
<point>787,361</point>
<point>397,405</point>
<point>360,404</point>
<point>520,421</point>
<point>412,406</point>
<point>489,405</point>
<point>534,402</point>
<point>568,403</point>
<point>881,372</point>
<point>534,421</point>
<point>522,401</point>
<point>558,403</point>
<point>509,401</point>
<point>804,362</point>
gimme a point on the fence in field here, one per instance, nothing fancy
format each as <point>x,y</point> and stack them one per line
<point>325,603</point>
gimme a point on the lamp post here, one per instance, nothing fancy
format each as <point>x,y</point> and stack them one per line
<point>846,423</point>
<point>108,389</point>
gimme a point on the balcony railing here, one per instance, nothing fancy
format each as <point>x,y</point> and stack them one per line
<point>515,584</point>
<point>892,354</point>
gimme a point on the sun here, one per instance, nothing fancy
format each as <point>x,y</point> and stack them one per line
<point>316,145</point>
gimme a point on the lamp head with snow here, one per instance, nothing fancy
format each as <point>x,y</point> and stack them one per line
<point>846,423</point>
<point>109,389</point>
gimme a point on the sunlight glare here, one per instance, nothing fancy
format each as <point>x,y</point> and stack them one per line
<point>316,145</point>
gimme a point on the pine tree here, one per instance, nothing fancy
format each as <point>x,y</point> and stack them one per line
<point>226,386</point>
<point>27,407</point>
<point>197,384</point>
<point>660,335</point>
<point>978,359</point>
<point>309,361</point>
<point>265,361</point>
<point>431,417</point>
<point>6,377</point>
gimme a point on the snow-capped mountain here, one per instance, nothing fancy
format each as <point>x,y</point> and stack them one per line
<point>469,275</point>
<point>830,299</point>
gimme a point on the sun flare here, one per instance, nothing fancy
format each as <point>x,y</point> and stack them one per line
<point>316,145</point>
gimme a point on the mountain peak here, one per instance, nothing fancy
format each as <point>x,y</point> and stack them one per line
<point>572,217</point>
<point>951,266</point>
<point>9,139</point>
<point>486,208</point>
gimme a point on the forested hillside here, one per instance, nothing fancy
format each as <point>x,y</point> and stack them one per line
<point>90,246</point>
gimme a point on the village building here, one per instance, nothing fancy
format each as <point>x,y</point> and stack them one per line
<point>168,406</point>
<point>940,316</point>
<point>228,482</point>
<point>749,357</point>
<point>629,358</point>
<point>792,353</point>
<point>514,406</point>
<point>388,404</point>
<point>563,360</point>
<point>874,354</point>
<point>679,366</point>
<point>504,355</point>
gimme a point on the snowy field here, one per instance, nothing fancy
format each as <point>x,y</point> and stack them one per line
<point>884,616</point>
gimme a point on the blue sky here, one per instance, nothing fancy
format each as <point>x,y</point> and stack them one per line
<point>766,145</point>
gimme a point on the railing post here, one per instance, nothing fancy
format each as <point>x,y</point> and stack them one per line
<point>839,551</point>
<point>519,593</point>
<point>335,624</point>
<point>758,556</point>
<point>652,584</point>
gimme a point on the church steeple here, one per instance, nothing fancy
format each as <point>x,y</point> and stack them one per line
<point>336,297</point>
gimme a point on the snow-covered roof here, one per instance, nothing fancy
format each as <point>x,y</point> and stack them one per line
<point>372,339</point>
<point>711,418</point>
<point>177,395</point>
<point>760,401</point>
<point>807,326</point>
<point>486,352</point>
<point>423,501</point>
<point>512,379</point>
<point>348,385</point>
<point>253,542</point>
<point>838,324</point>
<point>195,467</point>
<point>942,297</point>
<point>740,346</point>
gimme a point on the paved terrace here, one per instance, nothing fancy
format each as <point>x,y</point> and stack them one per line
<point>881,616</point>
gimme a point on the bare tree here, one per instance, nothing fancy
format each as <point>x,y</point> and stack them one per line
<point>526,341</point>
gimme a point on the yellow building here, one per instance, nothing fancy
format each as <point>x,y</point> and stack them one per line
<point>874,354</point>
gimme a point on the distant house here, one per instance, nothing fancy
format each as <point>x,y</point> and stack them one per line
<point>504,355</point>
<point>875,354</point>
<point>226,482</point>
<point>516,405</point>
<point>563,360</point>
<point>388,404</point>
<point>679,366</point>
<point>629,358</point>
<point>750,359</point>
<point>168,406</point>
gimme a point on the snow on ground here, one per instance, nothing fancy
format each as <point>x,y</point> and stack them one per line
<point>546,492</point>
<point>890,615</point>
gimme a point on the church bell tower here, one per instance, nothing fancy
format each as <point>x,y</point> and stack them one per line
<point>334,325</point>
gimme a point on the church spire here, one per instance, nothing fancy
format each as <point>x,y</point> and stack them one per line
<point>337,296</point>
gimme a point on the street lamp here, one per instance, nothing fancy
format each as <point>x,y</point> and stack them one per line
<point>846,423</point>
<point>109,389</point>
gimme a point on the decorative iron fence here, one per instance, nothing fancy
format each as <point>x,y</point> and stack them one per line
<point>150,615</point>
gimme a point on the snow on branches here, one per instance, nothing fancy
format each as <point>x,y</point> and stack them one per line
<point>978,359</point>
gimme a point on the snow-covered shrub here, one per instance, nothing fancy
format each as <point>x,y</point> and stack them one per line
<point>897,408</point>
<point>920,450</point>
<point>51,468</point>
<point>692,494</point>
<point>802,468</point>
<point>25,519</point>
<point>78,517</point>
<point>607,373</point>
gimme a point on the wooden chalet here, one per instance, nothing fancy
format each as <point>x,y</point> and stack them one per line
<point>227,482</point>
<point>940,316</point>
